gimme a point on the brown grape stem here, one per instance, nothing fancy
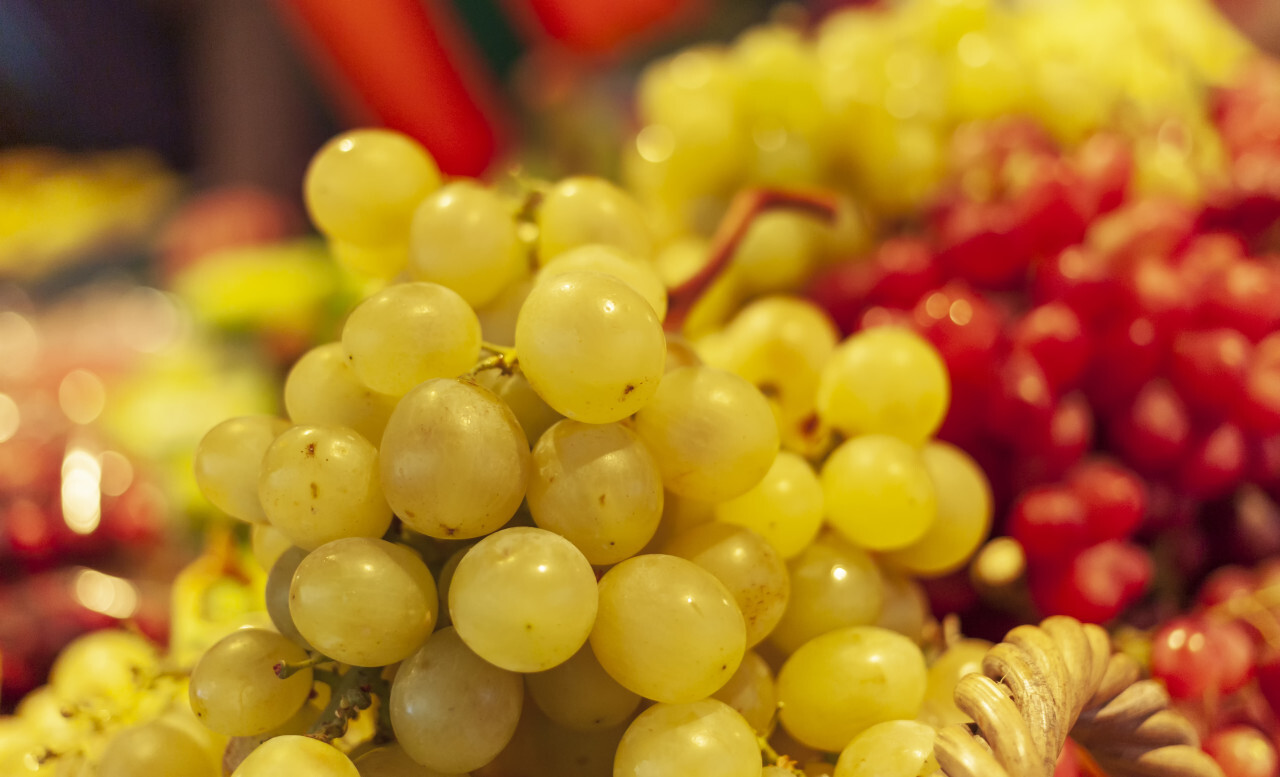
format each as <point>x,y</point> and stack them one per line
<point>284,669</point>
<point>503,359</point>
<point>731,231</point>
<point>353,692</point>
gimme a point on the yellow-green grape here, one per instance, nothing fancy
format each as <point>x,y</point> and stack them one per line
<point>747,565</point>
<point>778,252</point>
<point>523,599</point>
<point>878,492</point>
<point>839,684</point>
<point>409,333</point>
<point>752,692</point>
<point>363,602</point>
<point>498,318</point>
<point>322,389</point>
<point>234,687</point>
<point>373,260</point>
<point>52,721</point>
<point>533,414</point>
<point>156,749</point>
<point>454,461</point>
<point>279,580</point>
<point>579,694</point>
<point>785,508</point>
<point>450,709</point>
<point>961,658</point>
<point>667,629</point>
<point>679,513</point>
<point>638,273</point>
<point>885,380</point>
<point>267,543</point>
<point>597,486</point>
<point>834,584</point>
<point>229,460</point>
<point>320,483</point>
<point>296,755</point>
<point>895,748</point>
<point>570,752</point>
<point>363,185</point>
<point>106,670</point>
<point>964,514</point>
<point>711,432</point>
<point>465,236</point>
<point>444,580</point>
<point>906,607</point>
<point>707,738</point>
<point>392,761</point>
<point>591,346</point>
<point>583,210</point>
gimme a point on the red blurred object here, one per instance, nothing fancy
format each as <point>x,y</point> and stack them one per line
<point>1096,585</point>
<point>1050,522</point>
<point>1195,656</point>
<point>585,27</point>
<point>1115,499</point>
<point>223,218</point>
<point>1243,751</point>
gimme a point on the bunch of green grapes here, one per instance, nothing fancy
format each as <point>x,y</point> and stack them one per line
<point>517,527</point>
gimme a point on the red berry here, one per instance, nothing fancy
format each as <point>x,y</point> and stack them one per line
<point>1053,334</point>
<point>1208,369</point>
<point>1226,583</point>
<point>1114,498</point>
<point>1151,227</point>
<point>905,270</point>
<point>1260,409</point>
<point>1096,585</point>
<point>981,242</point>
<point>964,327</point>
<point>1244,297</point>
<point>1127,355</point>
<point>1243,751</point>
<point>1155,432</point>
<point>1078,276</point>
<point>1105,163</point>
<point>1195,656</point>
<point>880,316</point>
<point>1214,463</point>
<point>842,291</point>
<point>1021,403</point>
<point>1154,288</point>
<point>1268,673</point>
<point>1050,522</point>
<point>1068,762</point>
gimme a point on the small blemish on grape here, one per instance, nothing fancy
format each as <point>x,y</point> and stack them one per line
<point>311,450</point>
<point>315,490</point>
<point>630,388</point>
<point>602,496</point>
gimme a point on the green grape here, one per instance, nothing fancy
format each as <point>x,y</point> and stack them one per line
<point>752,692</point>
<point>834,584</point>
<point>267,543</point>
<point>363,185</point>
<point>778,252</point>
<point>454,461</point>
<point>323,390</point>
<point>582,210</point>
<point>371,260</point>
<point>229,460</point>
<point>679,514</point>
<point>533,414</point>
<point>707,738</point>
<point>598,486</point>
<point>905,609</point>
<point>964,514</point>
<point>590,346</point>
<point>635,272</point>
<point>785,507</point>
<point>105,669</point>
<point>839,684</point>
<point>296,755</point>
<point>393,761</point>
<point>895,748</point>
<point>667,629</point>
<point>711,432</point>
<point>156,749</point>
<point>567,752</point>
<point>747,565</point>
<point>464,236</point>
<point>409,333</point>
<point>320,483</point>
<point>279,580</point>
<point>579,694</point>
<point>878,492</point>
<point>451,710</point>
<point>961,658</point>
<point>363,601</point>
<point>55,723</point>
<point>523,599</point>
<point>885,380</point>
<point>445,580</point>
<point>498,318</point>
<point>234,688</point>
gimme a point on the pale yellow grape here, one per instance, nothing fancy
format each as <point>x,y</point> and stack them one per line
<point>878,492</point>
<point>363,185</point>
<point>533,414</point>
<point>228,461</point>
<point>579,694</point>
<point>748,566</point>
<point>267,543</point>
<point>451,710</point>
<point>839,684</point>
<point>962,658</point>
<point>752,692</point>
<point>279,580</point>
<point>322,389</point>
<point>705,738</point>
<point>834,584</point>
<point>373,260</point>
<point>584,210</point>
<point>667,629</point>
<point>895,748</point>
<point>778,252</point>
<point>523,599</point>
<point>409,333</point>
<point>392,761</point>
<point>444,580</point>
<point>320,483</point>
<point>785,508</point>
<point>498,318</point>
<point>885,380</point>
<point>711,432</point>
<point>680,261</point>
<point>679,513</point>
<point>591,346</point>
<point>234,688</point>
<point>363,601</point>
<point>156,749</point>
<point>598,486</point>
<point>465,236</point>
<point>43,713</point>
<point>566,752</point>
<point>638,273</point>
<point>964,514</point>
<point>906,607</point>
<point>454,461</point>
<point>105,669</point>
<point>297,756</point>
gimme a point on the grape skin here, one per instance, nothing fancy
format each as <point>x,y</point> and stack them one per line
<point>229,461</point>
<point>706,738</point>
<point>234,688</point>
<point>292,754</point>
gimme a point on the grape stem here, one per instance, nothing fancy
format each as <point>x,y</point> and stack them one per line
<point>742,213</point>
<point>285,669</point>
<point>503,359</point>
<point>352,692</point>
